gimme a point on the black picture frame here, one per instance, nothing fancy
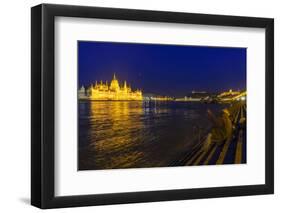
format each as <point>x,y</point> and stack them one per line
<point>43,117</point>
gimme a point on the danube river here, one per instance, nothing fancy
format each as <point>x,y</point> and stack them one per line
<point>135,134</point>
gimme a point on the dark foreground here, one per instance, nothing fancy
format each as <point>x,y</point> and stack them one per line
<point>232,151</point>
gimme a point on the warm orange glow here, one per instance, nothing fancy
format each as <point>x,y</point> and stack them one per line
<point>232,96</point>
<point>117,134</point>
<point>228,93</point>
<point>103,91</point>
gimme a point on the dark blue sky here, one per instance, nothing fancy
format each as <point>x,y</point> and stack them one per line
<point>173,70</point>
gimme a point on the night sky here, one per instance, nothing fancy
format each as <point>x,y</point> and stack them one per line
<point>173,70</point>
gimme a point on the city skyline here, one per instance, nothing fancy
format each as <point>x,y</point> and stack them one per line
<point>172,70</point>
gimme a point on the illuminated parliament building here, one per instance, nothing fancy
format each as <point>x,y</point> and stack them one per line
<point>114,91</point>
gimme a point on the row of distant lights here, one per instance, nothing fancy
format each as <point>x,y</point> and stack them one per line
<point>243,98</point>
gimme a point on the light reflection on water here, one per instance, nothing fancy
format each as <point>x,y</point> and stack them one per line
<point>134,134</point>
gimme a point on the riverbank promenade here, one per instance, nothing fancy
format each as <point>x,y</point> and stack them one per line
<point>232,151</point>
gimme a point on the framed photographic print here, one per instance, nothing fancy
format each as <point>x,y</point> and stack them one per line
<point>138,106</point>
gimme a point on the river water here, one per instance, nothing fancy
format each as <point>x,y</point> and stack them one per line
<point>136,134</point>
